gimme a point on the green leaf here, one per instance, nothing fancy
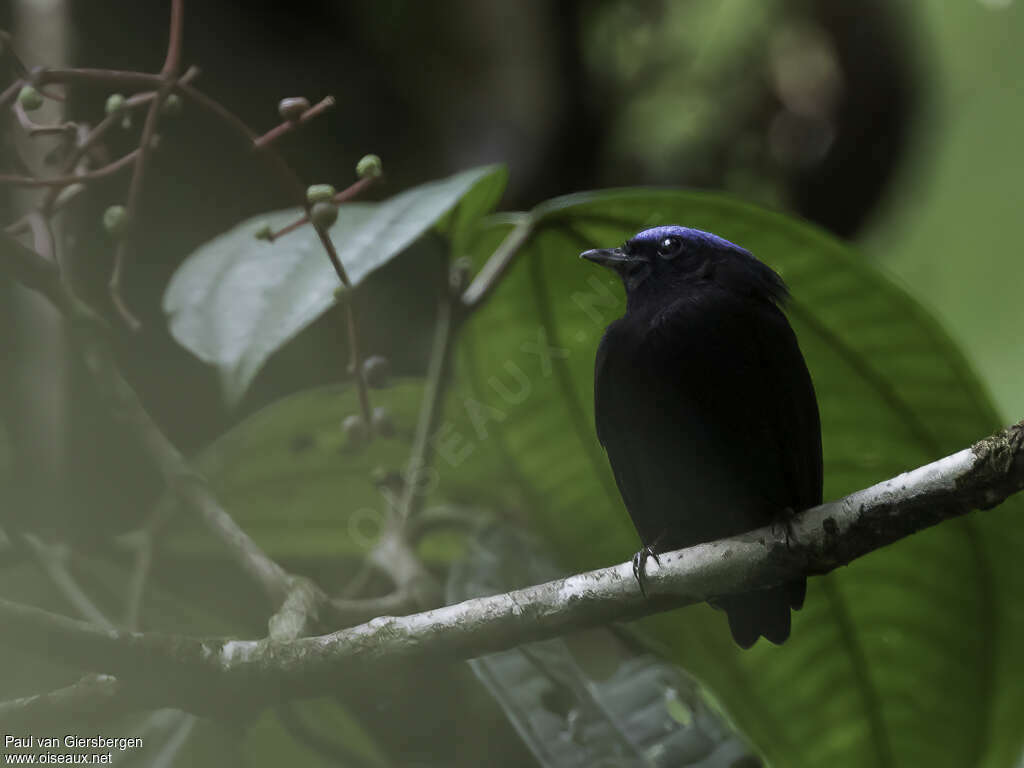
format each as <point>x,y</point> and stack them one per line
<point>288,477</point>
<point>907,657</point>
<point>315,733</point>
<point>237,300</point>
<point>290,480</point>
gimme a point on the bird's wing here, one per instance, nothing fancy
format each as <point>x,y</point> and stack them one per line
<point>797,423</point>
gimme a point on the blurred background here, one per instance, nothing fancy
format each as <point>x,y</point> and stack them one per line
<point>891,123</point>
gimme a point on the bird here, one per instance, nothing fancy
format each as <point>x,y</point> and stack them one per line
<point>705,407</point>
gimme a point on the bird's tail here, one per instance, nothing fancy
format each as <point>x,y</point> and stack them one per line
<point>764,612</point>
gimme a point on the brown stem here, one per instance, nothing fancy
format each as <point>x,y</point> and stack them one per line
<point>48,204</point>
<point>33,128</point>
<point>421,455</point>
<point>289,125</point>
<point>10,92</point>
<point>172,62</point>
<point>167,78</point>
<point>91,76</point>
<point>79,178</point>
<point>341,197</point>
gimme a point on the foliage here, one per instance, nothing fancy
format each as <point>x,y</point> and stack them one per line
<point>233,304</point>
<point>935,612</point>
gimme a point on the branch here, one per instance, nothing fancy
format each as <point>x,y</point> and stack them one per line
<point>31,269</point>
<point>53,559</point>
<point>421,454</point>
<point>93,698</point>
<point>203,672</point>
<point>498,264</point>
<point>168,76</point>
<point>77,178</point>
<point>289,125</point>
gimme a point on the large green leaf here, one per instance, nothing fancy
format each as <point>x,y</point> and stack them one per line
<point>291,479</point>
<point>236,300</point>
<point>908,657</point>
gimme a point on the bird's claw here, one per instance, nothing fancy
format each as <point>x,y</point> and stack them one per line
<point>639,565</point>
<point>782,527</point>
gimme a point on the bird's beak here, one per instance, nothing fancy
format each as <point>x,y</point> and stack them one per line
<point>613,258</point>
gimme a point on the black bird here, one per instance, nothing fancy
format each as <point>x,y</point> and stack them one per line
<point>705,406</point>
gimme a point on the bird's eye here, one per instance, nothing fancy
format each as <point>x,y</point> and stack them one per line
<point>670,247</point>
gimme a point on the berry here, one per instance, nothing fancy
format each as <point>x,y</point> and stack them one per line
<point>376,371</point>
<point>292,107</point>
<point>30,98</point>
<point>319,193</point>
<point>383,424</point>
<point>369,165</point>
<point>323,214</point>
<point>115,103</point>
<point>115,220</point>
<point>172,105</point>
<point>355,430</point>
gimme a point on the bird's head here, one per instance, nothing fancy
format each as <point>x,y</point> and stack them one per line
<point>658,264</point>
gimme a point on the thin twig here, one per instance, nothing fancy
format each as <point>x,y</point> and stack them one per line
<point>79,178</point>
<point>92,76</point>
<point>340,198</point>
<point>167,75</point>
<point>498,264</point>
<point>33,128</point>
<point>94,696</point>
<point>53,559</point>
<point>99,131</point>
<point>143,542</point>
<point>11,92</point>
<point>290,125</point>
<point>421,455</point>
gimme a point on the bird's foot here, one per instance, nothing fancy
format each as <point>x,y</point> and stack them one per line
<point>782,527</point>
<point>640,564</point>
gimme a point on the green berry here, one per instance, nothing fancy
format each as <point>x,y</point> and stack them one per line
<point>323,214</point>
<point>340,293</point>
<point>126,121</point>
<point>383,477</point>
<point>115,220</point>
<point>355,430</point>
<point>264,232</point>
<point>172,105</point>
<point>319,193</point>
<point>383,424</point>
<point>292,107</point>
<point>376,371</point>
<point>369,165</point>
<point>115,103</point>
<point>30,98</point>
<point>459,275</point>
